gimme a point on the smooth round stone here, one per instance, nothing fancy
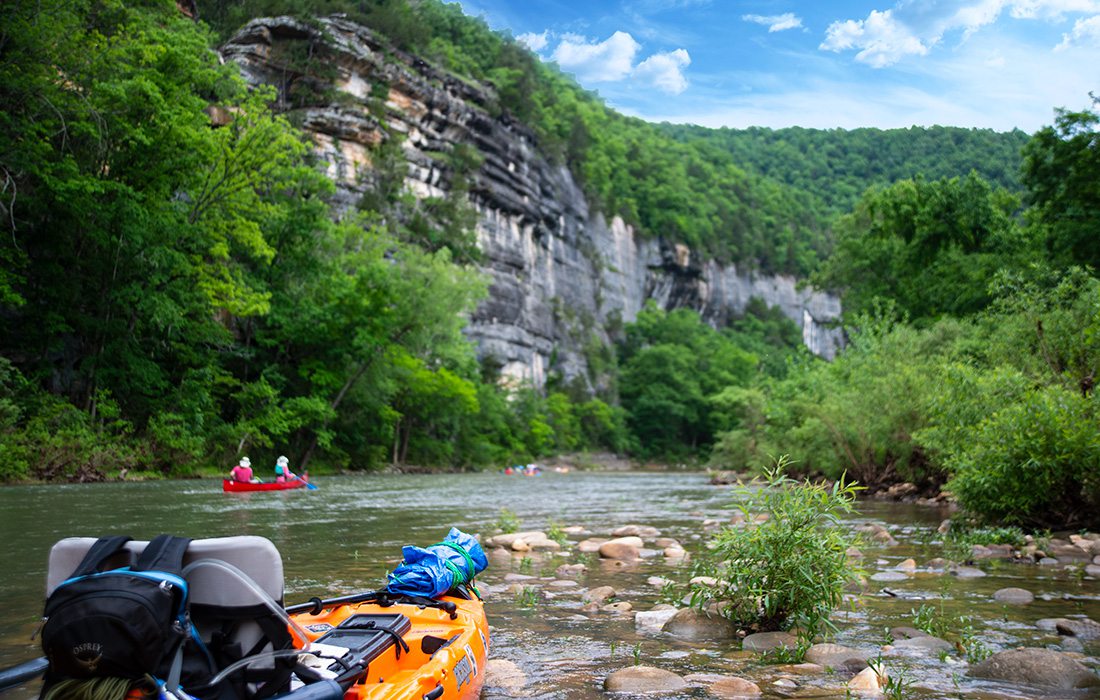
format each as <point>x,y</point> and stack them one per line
<point>1013,596</point>
<point>734,687</point>
<point>1042,667</point>
<point>924,645</point>
<point>644,679</point>
<point>766,641</point>
<point>890,576</point>
<point>968,572</point>
<point>501,673</point>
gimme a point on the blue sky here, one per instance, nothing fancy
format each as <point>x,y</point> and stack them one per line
<point>999,64</point>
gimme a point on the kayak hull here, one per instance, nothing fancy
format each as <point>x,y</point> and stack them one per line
<point>230,486</point>
<point>453,671</point>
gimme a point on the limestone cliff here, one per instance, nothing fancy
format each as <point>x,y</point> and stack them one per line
<point>562,275</point>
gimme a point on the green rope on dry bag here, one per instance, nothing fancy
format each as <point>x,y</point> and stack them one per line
<point>461,577</point>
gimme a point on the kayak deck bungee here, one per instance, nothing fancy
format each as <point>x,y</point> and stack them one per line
<point>231,486</point>
<point>402,647</point>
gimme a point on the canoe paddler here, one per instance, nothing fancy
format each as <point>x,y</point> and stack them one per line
<point>243,472</point>
<point>282,470</point>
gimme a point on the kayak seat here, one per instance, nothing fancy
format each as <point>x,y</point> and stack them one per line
<point>232,616</point>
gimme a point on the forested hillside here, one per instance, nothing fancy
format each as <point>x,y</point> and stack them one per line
<point>837,165</point>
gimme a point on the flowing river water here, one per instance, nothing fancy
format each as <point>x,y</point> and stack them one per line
<point>344,537</point>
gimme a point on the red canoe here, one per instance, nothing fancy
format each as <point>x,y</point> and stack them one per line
<point>231,486</point>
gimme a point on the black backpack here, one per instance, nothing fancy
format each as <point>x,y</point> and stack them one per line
<point>126,622</point>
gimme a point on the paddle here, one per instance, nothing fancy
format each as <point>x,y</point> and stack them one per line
<point>311,487</point>
<point>26,671</point>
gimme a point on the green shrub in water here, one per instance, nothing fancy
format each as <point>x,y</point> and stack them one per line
<point>790,569</point>
<point>507,522</point>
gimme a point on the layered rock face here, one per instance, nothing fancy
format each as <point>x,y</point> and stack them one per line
<point>562,275</point>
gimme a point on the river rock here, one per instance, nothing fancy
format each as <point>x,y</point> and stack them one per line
<point>889,576</point>
<point>704,581</point>
<point>801,669</point>
<point>1013,596</point>
<point>694,625</point>
<point>504,674</point>
<point>651,621</point>
<point>1092,570</point>
<point>665,542</point>
<point>1049,624</point>
<point>903,632</point>
<point>1069,554</point>
<point>591,545</point>
<point>570,570</point>
<point>1042,667</point>
<point>644,679</point>
<point>734,687</point>
<point>867,681</point>
<point>507,539</point>
<point>598,594</point>
<point>563,583</point>
<point>1081,628</point>
<point>766,641</point>
<point>937,564</point>
<point>636,531</point>
<point>836,656</point>
<point>908,566</point>
<point>923,645</point>
<point>674,552</point>
<point>967,572</point>
<point>620,608</point>
<point>621,548</point>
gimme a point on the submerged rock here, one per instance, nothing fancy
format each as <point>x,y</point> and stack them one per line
<point>923,645</point>
<point>621,548</point>
<point>1013,596</point>
<point>734,687</point>
<point>644,679</point>
<point>694,625</point>
<point>653,620</point>
<point>1082,628</point>
<point>835,656</point>
<point>1032,666</point>
<point>766,641</point>
<point>868,681</point>
<point>504,674</point>
<point>598,594</point>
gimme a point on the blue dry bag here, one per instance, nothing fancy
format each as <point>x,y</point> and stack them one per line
<point>434,570</point>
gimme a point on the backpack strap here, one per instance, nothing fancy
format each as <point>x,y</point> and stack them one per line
<point>163,553</point>
<point>103,549</point>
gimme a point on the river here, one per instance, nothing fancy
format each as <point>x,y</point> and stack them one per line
<point>345,535</point>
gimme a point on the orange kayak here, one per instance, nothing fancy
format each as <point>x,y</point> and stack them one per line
<point>230,486</point>
<point>408,650</point>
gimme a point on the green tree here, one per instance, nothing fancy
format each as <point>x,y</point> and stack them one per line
<point>1062,174</point>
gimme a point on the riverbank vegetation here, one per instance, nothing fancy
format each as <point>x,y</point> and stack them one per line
<point>176,289</point>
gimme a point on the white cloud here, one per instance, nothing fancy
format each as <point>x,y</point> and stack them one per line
<point>1085,31</point>
<point>611,59</point>
<point>665,71</point>
<point>535,42</point>
<point>775,23</point>
<point>912,27</point>
<point>881,38</point>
